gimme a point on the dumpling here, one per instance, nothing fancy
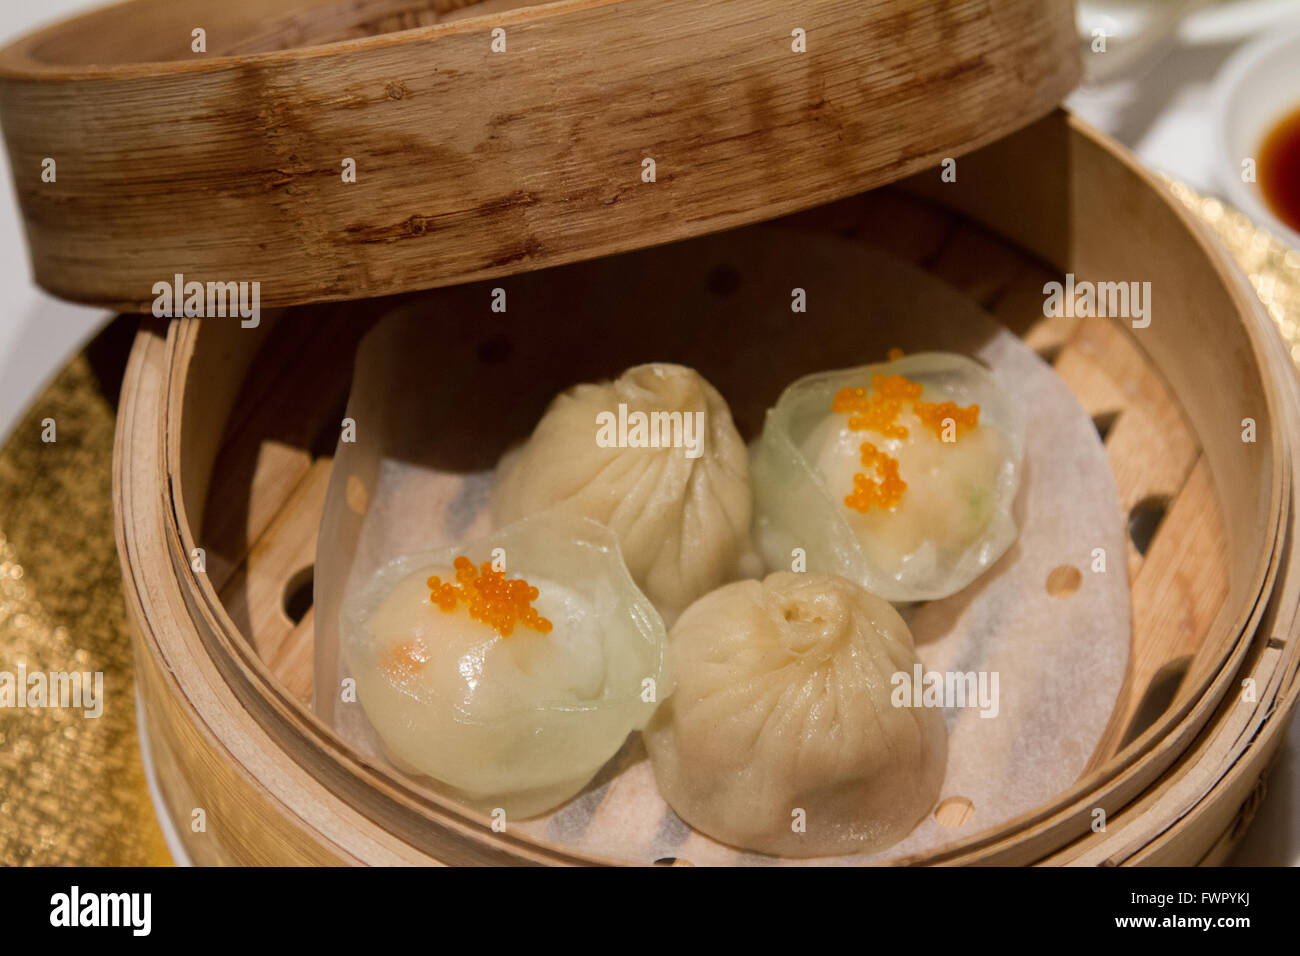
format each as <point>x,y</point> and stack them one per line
<point>783,704</point>
<point>653,456</point>
<point>512,687</point>
<point>900,476</point>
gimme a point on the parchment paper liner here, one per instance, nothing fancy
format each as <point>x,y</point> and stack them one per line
<point>444,385</point>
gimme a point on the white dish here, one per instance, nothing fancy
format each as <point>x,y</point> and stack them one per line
<point>1256,88</point>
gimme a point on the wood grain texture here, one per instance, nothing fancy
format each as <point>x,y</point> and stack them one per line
<point>1225,543</point>
<point>226,166</point>
<point>1177,596</point>
<point>1115,221</point>
<point>1196,814</point>
<point>1154,457</point>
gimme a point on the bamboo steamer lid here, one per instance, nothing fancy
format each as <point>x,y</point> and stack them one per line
<point>487,138</point>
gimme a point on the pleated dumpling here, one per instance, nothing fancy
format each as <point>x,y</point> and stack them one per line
<point>782,735</point>
<point>655,457</point>
<point>511,685</point>
<point>900,476</point>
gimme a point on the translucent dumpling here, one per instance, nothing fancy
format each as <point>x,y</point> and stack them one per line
<point>653,456</point>
<point>782,735</point>
<point>511,686</point>
<point>900,476</point>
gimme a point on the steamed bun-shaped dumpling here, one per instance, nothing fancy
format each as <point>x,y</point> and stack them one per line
<point>511,687</point>
<point>900,476</point>
<point>783,703</point>
<point>653,456</point>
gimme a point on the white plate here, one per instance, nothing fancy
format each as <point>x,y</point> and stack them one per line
<point>171,836</point>
<point>1256,88</point>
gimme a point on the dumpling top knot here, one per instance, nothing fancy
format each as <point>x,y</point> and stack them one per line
<point>814,614</point>
<point>663,386</point>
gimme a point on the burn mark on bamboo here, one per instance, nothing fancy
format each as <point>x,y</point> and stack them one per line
<point>530,247</point>
<point>418,225</point>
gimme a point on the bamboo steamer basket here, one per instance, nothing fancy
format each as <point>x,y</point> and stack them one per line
<point>225,433</point>
<point>1214,596</point>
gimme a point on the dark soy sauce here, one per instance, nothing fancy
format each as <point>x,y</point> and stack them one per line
<point>1279,169</point>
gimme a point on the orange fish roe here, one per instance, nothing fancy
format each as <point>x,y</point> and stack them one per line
<point>493,600</point>
<point>934,415</point>
<point>868,493</point>
<point>896,387</point>
<point>879,413</point>
<point>893,355</point>
<point>403,661</point>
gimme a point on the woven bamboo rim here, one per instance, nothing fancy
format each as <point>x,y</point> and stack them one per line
<point>228,165</point>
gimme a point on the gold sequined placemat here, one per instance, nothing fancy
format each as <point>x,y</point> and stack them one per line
<point>1272,267</point>
<point>72,788</point>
